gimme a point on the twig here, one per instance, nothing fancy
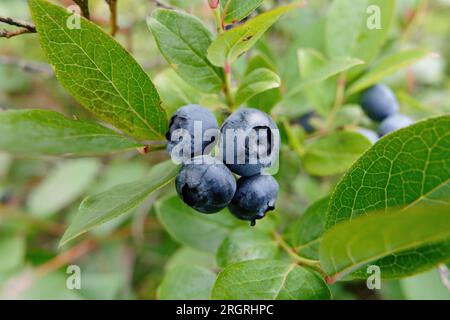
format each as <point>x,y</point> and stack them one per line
<point>25,27</point>
<point>113,16</point>
<point>445,274</point>
<point>314,264</point>
<point>27,66</point>
<point>163,5</point>
<point>66,257</point>
<point>84,6</point>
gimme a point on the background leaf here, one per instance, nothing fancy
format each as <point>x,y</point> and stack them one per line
<point>99,73</point>
<point>257,81</point>
<point>50,133</point>
<point>386,67</point>
<point>183,40</point>
<point>350,245</point>
<point>98,209</point>
<point>186,283</point>
<point>425,286</point>
<point>175,92</point>
<point>269,280</point>
<point>236,10</point>
<point>245,244</point>
<point>54,193</point>
<point>334,153</point>
<point>200,231</point>
<point>231,44</point>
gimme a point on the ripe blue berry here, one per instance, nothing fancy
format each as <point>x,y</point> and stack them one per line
<point>187,120</point>
<point>379,102</point>
<point>372,136</point>
<point>394,123</point>
<point>254,197</point>
<point>250,142</point>
<point>306,122</point>
<point>206,184</point>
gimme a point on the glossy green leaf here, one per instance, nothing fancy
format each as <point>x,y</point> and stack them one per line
<point>99,72</point>
<point>246,244</point>
<point>269,280</point>
<point>183,40</point>
<point>200,231</point>
<point>236,10</point>
<point>55,193</point>
<point>50,133</point>
<point>230,45</point>
<point>334,153</point>
<point>186,283</point>
<point>406,168</point>
<point>101,208</point>
<point>305,234</point>
<point>352,244</point>
<point>386,67</point>
<point>255,82</point>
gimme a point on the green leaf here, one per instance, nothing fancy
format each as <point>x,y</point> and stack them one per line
<point>386,67</point>
<point>81,173</point>
<point>334,153</point>
<point>175,92</point>
<point>269,280</point>
<point>12,252</point>
<point>346,20</point>
<point>350,245</point>
<point>371,40</point>
<point>246,244</point>
<point>228,46</point>
<point>186,283</point>
<point>305,234</point>
<point>99,72</point>
<point>186,256</point>
<point>183,40</point>
<point>50,133</point>
<point>236,10</point>
<point>266,100</point>
<point>101,208</point>
<point>255,82</point>
<point>320,95</point>
<point>200,231</point>
<point>324,71</point>
<point>405,168</point>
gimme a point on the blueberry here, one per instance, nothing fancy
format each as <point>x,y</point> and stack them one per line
<point>250,142</point>
<point>254,197</point>
<point>379,102</point>
<point>372,136</point>
<point>394,123</point>
<point>200,128</point>
<point>206,184</point>
<point>305,122</point>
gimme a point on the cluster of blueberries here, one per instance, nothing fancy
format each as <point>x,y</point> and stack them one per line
<point>248,145</point>
<point>380,105</point>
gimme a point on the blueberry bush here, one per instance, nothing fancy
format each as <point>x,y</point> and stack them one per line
<point>354,202</point>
